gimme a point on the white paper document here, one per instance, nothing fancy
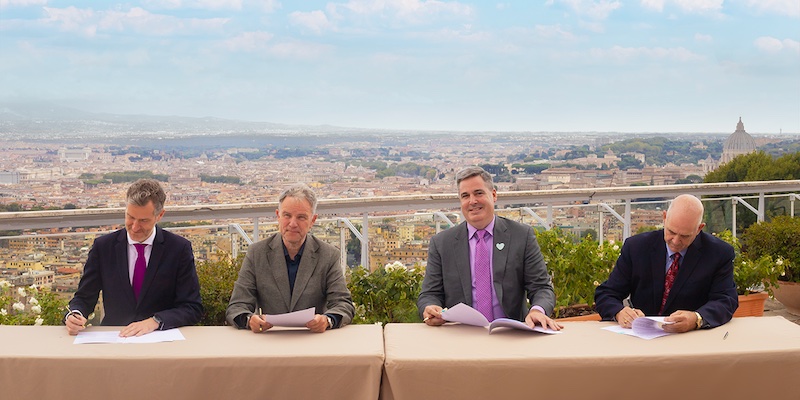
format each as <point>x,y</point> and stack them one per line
<point>169,335</point>
<point>292,319</point>
<point>469,316</point>
<point>643,327</point>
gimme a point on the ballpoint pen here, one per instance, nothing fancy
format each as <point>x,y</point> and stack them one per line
<point>726,336</point>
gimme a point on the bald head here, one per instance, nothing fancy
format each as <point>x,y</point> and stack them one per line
<point>683,221</point>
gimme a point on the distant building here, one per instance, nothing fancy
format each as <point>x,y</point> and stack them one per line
<point>740,142</point>
<point>73,154</point>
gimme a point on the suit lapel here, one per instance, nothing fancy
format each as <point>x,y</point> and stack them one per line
<point>121,265</point>
<point>152,264</point>
<point>277,264</point>
<point>461,250</point>
<point>308,263</point>
<point>500,257</point>
<point>658,264</point>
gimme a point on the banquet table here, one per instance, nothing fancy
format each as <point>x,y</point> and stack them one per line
<point>759,358</point>
<point>41,362</point>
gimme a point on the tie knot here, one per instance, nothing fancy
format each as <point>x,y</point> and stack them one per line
<point>676,257</point>
<point>140,247</point>
<point>482,234</point>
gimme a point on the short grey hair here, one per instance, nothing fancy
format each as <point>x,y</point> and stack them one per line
<point>144,191</point>
<point>302,192</point>
<point>469,172</point>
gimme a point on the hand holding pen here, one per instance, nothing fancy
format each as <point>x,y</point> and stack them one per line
<point>75,322</point>
<point>432,315</point>
<point>257,323</point>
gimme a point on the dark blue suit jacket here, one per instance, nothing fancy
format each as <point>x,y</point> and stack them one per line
<point>704,282</point>
<point>170,290</point>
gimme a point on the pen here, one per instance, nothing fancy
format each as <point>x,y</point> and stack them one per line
<point>260,329</point>
<point>440,313</point>
<point>726,336</point>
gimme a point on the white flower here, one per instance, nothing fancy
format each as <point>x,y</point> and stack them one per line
<point>33,287</point>
<point>21,291</point>
<point>779,262</point>
<point>33,300</point>
<point>5,284</point>
<point>616,247</point>
<point>394,266</point>
<point>596,283</point>
<point>3,311</point>
<point>37,309</point>
<point>18,306</point>
<point>38,321</point>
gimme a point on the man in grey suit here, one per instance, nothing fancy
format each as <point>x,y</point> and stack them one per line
<point>290,271</point>
<point>513,266</point>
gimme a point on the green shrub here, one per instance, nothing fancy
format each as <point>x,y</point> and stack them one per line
<point>752,275</point>
<point>577,267</point>
<point>30,305</point>
<point>216,285</point>
<point>780,239</point>
<point>388,294</point>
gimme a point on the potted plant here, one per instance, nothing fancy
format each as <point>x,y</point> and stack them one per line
<point>577,268</point>
<point>779,238</point>
<point>755,278</point>
<point>388,294</point>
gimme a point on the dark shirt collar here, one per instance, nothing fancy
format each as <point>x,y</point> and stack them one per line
<point>299,252</point>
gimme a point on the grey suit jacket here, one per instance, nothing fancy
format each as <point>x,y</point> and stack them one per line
<point>264,281</point>
<point>518,268</point>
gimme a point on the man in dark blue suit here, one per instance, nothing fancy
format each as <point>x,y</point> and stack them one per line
<point>147,275</point>
<point>680,271</point>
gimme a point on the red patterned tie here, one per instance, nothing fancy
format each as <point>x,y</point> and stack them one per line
<point>483,275</point>
<point>138,269</point>
<point>670,279</point>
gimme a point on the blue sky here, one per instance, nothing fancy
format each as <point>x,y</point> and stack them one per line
<point>543,65</point>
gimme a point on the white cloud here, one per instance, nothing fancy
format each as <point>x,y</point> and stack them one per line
<point>595,9</point>
<point>139,20</point>
<point>266,5</point>
<point>783,7</point>
<point>703,38</point>
<point>409,11</point>
<point>687,6</point>
<point>553,32</point>
<point>196,4</point>
<point>248,41</point>
<point>623,54</point>
<point>299,50</point>
<point>772,45</point>
<point>315,21</point>
<point>21,3</point>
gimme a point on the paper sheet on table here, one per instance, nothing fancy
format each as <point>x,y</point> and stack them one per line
<point>169,335</point>
<point>469,316</point>
<point>292,319</point>
<point>643,327</point>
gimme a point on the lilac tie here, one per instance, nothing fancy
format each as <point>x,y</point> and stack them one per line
<point>138,269</point>
<point>483,275</point>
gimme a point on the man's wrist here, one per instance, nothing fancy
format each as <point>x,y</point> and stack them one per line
<point>159,321</point>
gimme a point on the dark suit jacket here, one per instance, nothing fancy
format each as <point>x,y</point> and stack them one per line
<point>518,268</point>
<point>264,282</point>
<point>704,282</point>
<point>170,289</point>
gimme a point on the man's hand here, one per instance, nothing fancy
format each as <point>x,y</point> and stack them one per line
<point>319,324</point>
<point>258,323</point>
<point>75,323</point>
<point>626,316</point>
<point>432,315</point>
<point>139,328</point>
<point>684,321</point>
<point>537,317</point>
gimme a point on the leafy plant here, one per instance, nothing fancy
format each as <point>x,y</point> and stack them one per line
<point>30,305</point>
<point>577,266</point>
<point>388,294</point>
<point>753,275</point>
<point>779,238</point>
<point>216,285</point>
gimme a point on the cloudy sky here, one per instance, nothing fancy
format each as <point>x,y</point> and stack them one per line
<point>527,65</point>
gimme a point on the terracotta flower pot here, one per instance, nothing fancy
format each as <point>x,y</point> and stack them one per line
<point>751,305</point>
<point>587,317</point>
<point>788,293</point>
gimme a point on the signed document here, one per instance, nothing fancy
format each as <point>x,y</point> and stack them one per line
<point>169,335</point>
<point>643,327</point>
<point>469,316</point>
<point>295,319</point>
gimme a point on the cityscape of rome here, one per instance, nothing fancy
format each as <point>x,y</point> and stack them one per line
<point>81,170</point>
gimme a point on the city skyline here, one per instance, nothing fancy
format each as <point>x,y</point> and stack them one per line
<point>557,65</point>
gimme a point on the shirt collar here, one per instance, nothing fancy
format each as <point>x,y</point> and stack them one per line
<point>299,252</point>
<point>471,229</point>
<point>149,241</point>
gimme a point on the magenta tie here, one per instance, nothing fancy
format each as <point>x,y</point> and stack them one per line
<point>138,269</point>
<point>670,279</point>
<point>483,275</point>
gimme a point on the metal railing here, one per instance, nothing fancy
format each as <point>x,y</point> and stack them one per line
<point>540,205</point>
